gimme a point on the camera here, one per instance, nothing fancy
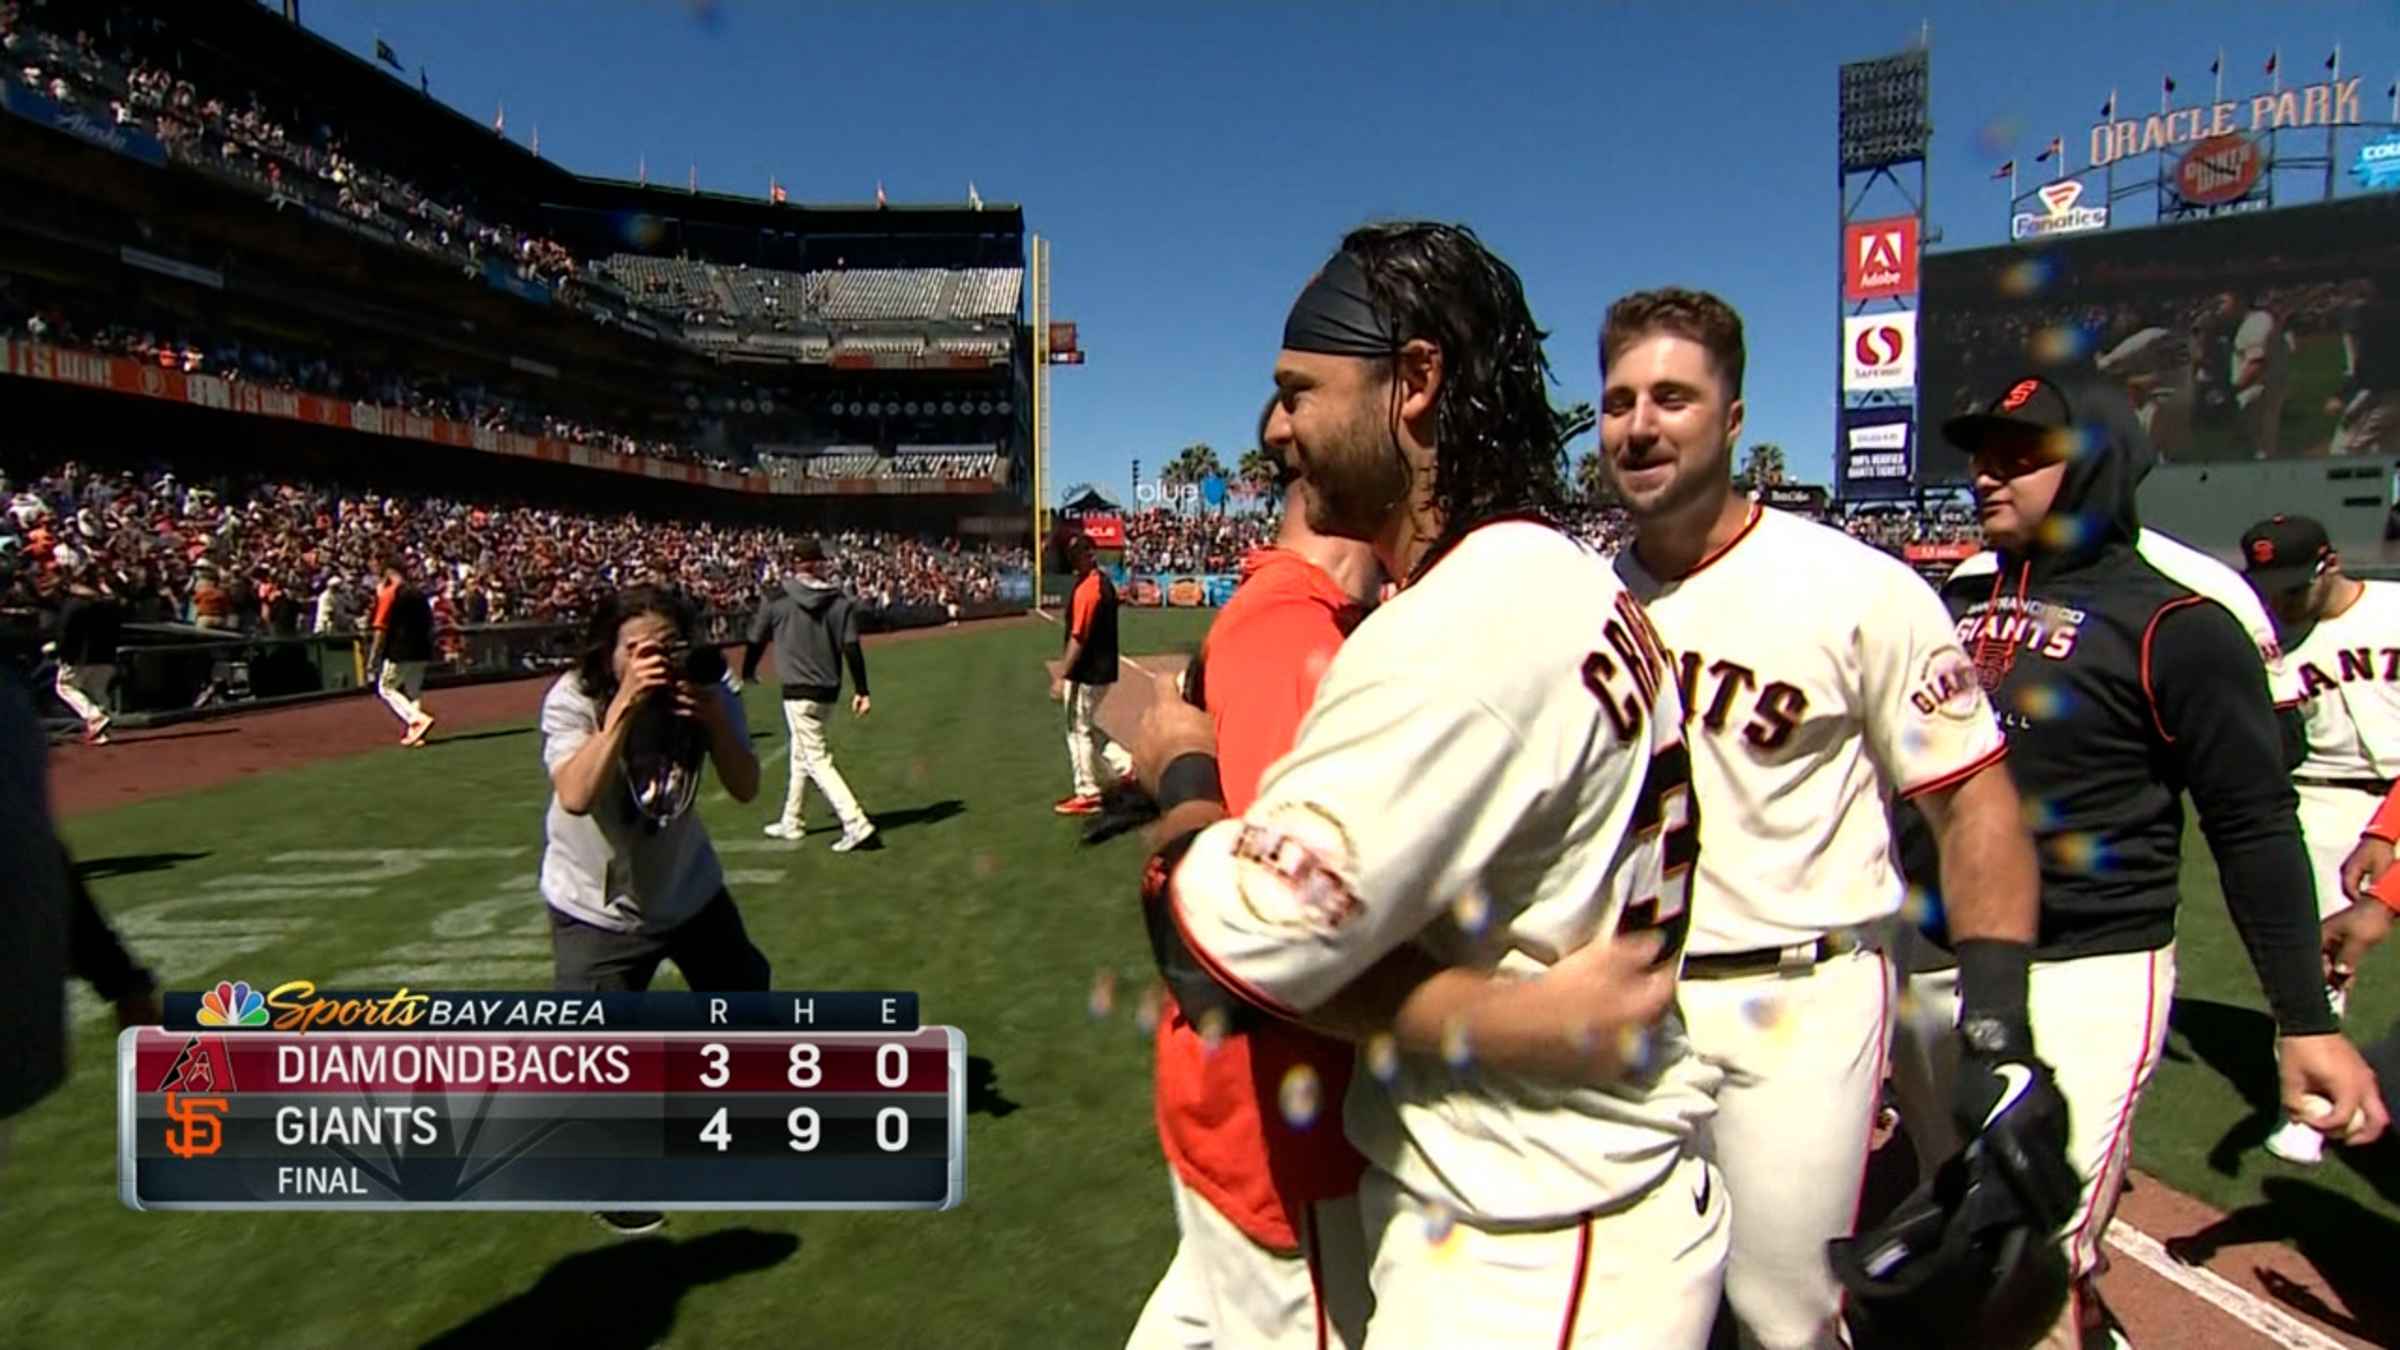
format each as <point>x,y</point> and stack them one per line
<point>695,664</point>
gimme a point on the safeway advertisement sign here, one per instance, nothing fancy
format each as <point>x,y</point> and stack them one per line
<point>1879,351</point>
<point>1879,258</point>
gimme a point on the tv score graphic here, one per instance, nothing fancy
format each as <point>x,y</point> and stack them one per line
<point>512,1101</point>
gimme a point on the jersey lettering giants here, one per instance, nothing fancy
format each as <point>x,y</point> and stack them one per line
<point>1823,678</point>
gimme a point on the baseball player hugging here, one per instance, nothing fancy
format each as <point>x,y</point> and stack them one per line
<point>2343,652</point>
<point>1822,680</point>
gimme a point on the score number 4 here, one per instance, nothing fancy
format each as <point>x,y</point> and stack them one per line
<point>802,1122</point>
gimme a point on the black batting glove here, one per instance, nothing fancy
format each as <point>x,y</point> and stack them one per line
<point>2006,1103</point>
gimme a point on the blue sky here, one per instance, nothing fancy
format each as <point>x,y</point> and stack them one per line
<point>1192,166</point>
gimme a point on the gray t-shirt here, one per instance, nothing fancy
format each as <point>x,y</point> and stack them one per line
<point>609,868</point>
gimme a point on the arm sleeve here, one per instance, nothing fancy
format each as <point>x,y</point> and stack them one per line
<point>1927,720</point>
<point>2208,697</point>
<point>855,656</point>
<point>568,720</point>
<point>93,951</point>
<point>2386,824</point>
<point>1335,866</point>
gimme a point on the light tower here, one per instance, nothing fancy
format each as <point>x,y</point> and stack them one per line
<point>1885,129</point>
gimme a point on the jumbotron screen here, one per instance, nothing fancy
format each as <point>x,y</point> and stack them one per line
<point>2260,335</point>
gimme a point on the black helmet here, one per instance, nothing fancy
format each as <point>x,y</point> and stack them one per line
<point>1974,1260</point>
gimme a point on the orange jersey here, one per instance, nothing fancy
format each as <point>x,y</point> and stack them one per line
<point>1220,1118</point>
<point>2386,826</point>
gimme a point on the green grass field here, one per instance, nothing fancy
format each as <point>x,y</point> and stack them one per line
<point>982,900</point>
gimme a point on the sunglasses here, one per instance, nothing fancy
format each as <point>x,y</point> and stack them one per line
<point>2013,456</point>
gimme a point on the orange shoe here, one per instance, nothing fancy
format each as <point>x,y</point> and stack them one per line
<point>1078,805</point>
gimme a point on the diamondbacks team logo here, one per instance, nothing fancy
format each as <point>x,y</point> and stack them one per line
<point>1294,872</point>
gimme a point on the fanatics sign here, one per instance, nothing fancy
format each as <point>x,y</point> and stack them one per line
<point>1879,258</point>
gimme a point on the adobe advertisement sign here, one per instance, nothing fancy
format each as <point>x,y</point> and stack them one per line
<point>1879,258</point>
<point>1876,456</point>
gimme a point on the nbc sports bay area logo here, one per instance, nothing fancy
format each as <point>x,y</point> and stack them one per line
<point>2059,213</point>
<point>233,1004</point>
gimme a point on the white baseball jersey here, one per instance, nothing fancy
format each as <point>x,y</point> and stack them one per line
<point>2348,670</point>
<point>2200,574</point>
<point>1823,677</point>
<point>2260,338</point>
<point>1494,770</point>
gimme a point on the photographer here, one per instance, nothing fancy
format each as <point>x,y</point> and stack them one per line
<point>627,868</point>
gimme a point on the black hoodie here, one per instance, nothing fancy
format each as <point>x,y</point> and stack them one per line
<point>815,630</point>
<point>2119,692</point>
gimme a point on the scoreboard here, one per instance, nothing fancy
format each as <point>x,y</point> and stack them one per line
<point>494,1117</point>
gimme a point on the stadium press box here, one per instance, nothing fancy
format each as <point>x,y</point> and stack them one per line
<point>217,1117</point>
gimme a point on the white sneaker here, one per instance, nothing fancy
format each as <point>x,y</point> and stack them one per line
<point>779,830</point>
<point>852,839</point>
<point>2297,1143</point>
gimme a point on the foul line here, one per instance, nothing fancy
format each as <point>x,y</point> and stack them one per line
<point>1126,659</point>
<point>2235,1302</point>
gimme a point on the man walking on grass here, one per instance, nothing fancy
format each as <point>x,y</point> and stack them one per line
<point>815,631</point>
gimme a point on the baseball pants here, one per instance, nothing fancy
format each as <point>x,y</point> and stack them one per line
<point>400,684</point>
<point>711,948</point>
<point>1089,750</point>
<point>1802,1058</point>
<point>1644,1275</point>
<point>85,689</point>
<point>812,762</point>
<point>2100,1022</point>
<point>1225,1292</point>
<point>2262,423</point>
<point>2330,821</point>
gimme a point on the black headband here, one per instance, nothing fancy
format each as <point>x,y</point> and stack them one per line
<point>1337,315</point>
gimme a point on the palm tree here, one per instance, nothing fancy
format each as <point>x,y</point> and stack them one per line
<point>1592,482</point>
<point>1762,466</point>
<point>1574,422</point>
<point>1193,463</point>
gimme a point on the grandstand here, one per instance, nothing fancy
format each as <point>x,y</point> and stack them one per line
<point>408,276</point>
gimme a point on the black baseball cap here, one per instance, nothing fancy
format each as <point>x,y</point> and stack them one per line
<point>2281,553</point>
<point>809,549</point>
<point>2029,418</point>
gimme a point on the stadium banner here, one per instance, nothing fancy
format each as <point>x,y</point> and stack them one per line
<point>2378,162</point>
<point>74,120</point>
<point>2328,103</point>
<point>1880,352</point>
<point>1877,455</point>
<point>503,277</point>
<point>1016,587</point>
<point>2257,335</point>
<point>1954,552</point>
<point>1104,531</point>
<point>1145,593</point>
<point>123,375</point>
<point>1879,258</point>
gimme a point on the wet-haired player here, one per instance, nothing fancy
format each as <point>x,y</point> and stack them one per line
<point>1493,778</point>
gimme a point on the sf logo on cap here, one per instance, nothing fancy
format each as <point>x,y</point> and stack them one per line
<point>2262,551</point>
<point>2018,396</point>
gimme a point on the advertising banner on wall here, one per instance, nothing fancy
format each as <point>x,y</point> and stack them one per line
<point>1879,258</point>
<point>1879,352</point>
<point>1877,454</point>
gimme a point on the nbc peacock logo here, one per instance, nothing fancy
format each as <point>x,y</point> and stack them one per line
<point>233,1005</point>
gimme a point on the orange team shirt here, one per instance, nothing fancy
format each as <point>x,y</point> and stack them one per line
<point>1087,599</point>
<point>1220,1121</point>
<point>383,604</point>
<point>2386,826</point>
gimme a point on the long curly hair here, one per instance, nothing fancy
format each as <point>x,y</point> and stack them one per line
<point>595,665</point>
<point>1497,443</point>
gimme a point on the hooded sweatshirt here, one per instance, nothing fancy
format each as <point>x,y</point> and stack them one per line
<point>815,631</point>
<point>2120,691</point>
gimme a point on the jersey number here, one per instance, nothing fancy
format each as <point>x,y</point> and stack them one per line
<point>1667,818</point>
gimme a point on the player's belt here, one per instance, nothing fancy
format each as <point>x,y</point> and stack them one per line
<point>1792,960</point>
<point>2379,786</point>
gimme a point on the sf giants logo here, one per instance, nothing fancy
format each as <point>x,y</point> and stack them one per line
<point>1948,686</point>
<point>1770,709</point>
<point>2020,395</point>
<point>2034,632</point>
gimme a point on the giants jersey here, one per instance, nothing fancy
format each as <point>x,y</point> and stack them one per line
<point>2200,574</point>
<point>1493,770</point>
<point>1823,678</point>
<point>2348,669</point>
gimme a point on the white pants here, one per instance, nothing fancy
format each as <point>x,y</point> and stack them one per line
<point>1089,749</point>
<point>2100,1022</point>
<point>2262,421</point>
<point>1225,1292</point>
<point>2330,821</point>
<point>1803,1061</point>
<point>400,684</point>
<point>85,689</point>
<point>812,762</point>
<point>1644,1276</point>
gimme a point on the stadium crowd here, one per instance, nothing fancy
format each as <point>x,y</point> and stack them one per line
<point>280,558</point>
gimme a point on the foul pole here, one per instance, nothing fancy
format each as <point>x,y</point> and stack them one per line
<point>1041,410</point>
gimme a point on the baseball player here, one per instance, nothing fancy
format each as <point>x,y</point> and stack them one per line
<point>2367,408</point>
<point>2350,715</point>
<point>1087,672</point>
<point>88,627</point>
<point>403,645</point>
<point>1266,1199</point>
<point>2120,692</point>
<point>2261,373</point>
<point>2155,366</point>
<point>1501,788</point>
<point>1822,680</point>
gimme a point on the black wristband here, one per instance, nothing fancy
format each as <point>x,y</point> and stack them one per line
<point>1191,777</point>
<point>1992,975</point>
